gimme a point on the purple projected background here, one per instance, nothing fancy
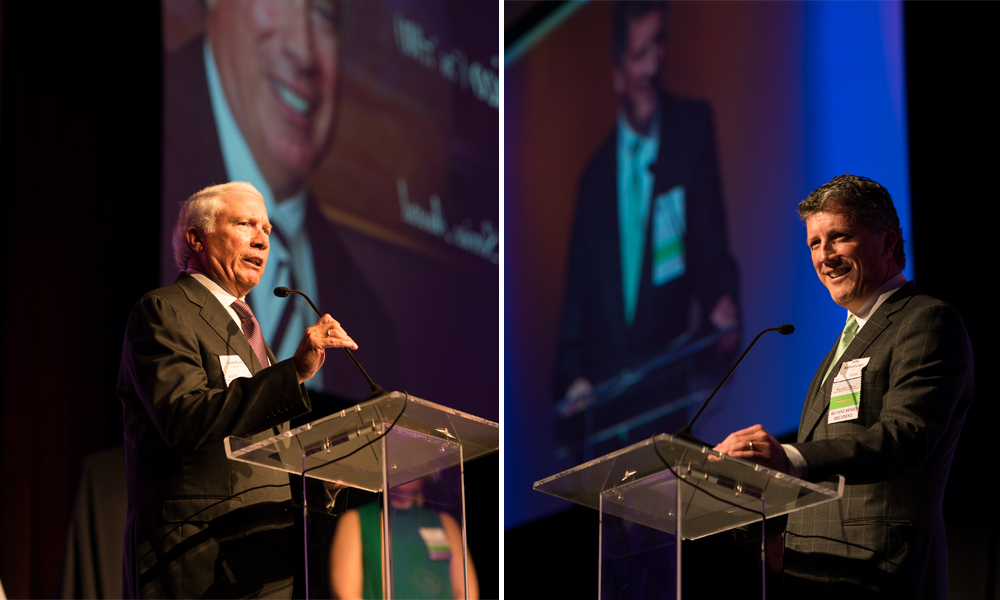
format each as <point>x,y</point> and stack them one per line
<point>400,234</point>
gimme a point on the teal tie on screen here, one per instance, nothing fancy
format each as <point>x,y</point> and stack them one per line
<point>632,215</point>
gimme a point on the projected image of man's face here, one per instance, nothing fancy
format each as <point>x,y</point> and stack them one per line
<point>637,77</point>
<point>278,62</point>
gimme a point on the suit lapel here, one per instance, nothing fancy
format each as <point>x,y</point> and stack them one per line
<point>270,355</point>
<point>673,160</point>
<point>604,239</point>
<point>818,398</point>
<point>814,407</point>
<point>216,317</point>
<point>666,171</point>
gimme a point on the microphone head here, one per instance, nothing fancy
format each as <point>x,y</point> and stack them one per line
<point>784,329</point>
<point>283,292</point>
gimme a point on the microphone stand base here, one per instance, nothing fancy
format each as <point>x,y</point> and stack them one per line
<point>685,434</point>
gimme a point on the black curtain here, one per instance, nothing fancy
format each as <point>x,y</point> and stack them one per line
<point>80,188</point>
<point>952,56</point>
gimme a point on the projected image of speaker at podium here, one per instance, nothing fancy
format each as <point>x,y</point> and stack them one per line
<point>651,310</point>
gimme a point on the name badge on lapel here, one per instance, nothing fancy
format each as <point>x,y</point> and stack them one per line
<point>845,401</point>
<point>233,367</point>
<point>669,226</point>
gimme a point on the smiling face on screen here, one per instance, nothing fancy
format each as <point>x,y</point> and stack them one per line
<point>278,62</point>
<point>636,76</point>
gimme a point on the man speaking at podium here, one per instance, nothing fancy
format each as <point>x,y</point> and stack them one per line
<point>884,410</point>
<point>195,369</point>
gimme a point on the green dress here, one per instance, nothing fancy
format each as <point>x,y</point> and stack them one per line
<point>418,572</point>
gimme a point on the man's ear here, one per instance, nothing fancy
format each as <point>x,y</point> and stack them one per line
<point>194,239</point>
<point>618,81</point>
<point>889,247</point>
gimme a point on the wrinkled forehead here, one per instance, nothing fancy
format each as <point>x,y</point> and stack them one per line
<point>245,202</point>
<point>834,205</point>
<point>834,218</point>
<point>831,210</point>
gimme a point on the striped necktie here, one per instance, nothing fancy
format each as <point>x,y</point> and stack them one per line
<point>846,338</point>
<point>251,329</point>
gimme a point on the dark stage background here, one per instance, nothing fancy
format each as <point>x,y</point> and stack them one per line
<point>950,56</point>
<point>80,156</point>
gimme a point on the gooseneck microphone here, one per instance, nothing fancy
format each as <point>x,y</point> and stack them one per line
<point>685,432</point>
<point>283,292</point>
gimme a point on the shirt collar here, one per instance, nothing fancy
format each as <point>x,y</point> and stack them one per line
<point>649,144</point>
<point>221,293</point>
<point>289,216</point>
<point>881,295</point>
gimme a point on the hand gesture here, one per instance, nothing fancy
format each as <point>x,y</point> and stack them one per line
<point>311,353</point>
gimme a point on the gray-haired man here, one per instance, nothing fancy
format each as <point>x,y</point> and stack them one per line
<point>194,370</point>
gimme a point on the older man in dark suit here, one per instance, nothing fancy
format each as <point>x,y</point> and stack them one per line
<point>195,369</point>
<point>885,410</point>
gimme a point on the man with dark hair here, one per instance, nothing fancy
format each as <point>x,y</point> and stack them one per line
<point>867,203</point>
<point>196,369</point>
<point>649,263</point>
<point>885,410</point>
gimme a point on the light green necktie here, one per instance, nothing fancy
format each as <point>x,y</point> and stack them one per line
<point>846,338</point>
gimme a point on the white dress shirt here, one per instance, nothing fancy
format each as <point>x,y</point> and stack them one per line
<point>223,296</point>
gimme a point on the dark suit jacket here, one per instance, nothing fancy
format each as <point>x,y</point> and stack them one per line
<point>198,523</point>
<point>193,160</point>
<point>594,340</point>
<point>895,457</point>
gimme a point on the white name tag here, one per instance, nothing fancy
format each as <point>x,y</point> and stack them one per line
<point>845,400</point>
<point>233,367</point>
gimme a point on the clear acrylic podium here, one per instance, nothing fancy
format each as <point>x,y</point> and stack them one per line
<point>665,489</point>
<point>407,450</point>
